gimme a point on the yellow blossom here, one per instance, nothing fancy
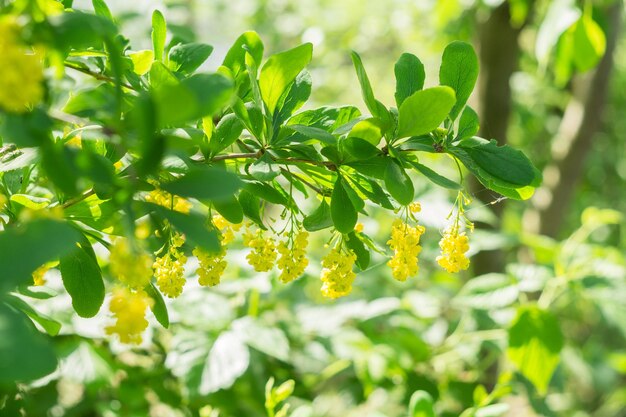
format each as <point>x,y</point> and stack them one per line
<point>129,309</point>
<point>453,246</point>
<point>170,201</point>
<point>415,207</point>
<point>39,275</point>
<point>21,78</point>
<point>169,269</point>
<point>263,254</point>
<point>212,266</point>
<point>337,275</point>
<point>226,229</point>
<point>293,261</point>
<point>131,267</point>
<point>405,242</point>
<point>358,228</point>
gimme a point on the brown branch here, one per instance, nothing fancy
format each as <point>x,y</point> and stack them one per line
<point>97,75</point>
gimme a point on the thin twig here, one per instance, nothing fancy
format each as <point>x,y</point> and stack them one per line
<point>78,199</point>
<point>97,75</point>
<point>237,156</point>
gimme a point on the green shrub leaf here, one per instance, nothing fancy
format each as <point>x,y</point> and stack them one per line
<point>459,70</point>
<point>424,111</point>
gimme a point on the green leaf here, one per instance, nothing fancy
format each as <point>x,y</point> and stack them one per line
<point>589,43</point>
<point>192,225</point>
<point>78,31</point>
<point>468,124</point>
<point>32,202</point>
<point>535,342</point>
<point>205,184</point>
<point>186,58</point>
<point>424,111</point>
<point>280,70</point>
<point>159,32</point>
<point>266,192</point>
<point>459,70</point>
<point>320,218</point>
<point>370,130</point>
<point>159,309</point>
<point>342,210</point>
<point>421,405</point>
<point>193,98</point>
<point>354,149</point>
<point>410,76</point>
<point>230,209</point>
<point>226,133</point>
<point>503,162</point>
<point>496,184</point>
<point>51,326</point>
<point>296,95</point>
<point>315,133</point>
<point>82,279</point>
<point>398,183</point>
<point>25,248</point>
<point>101,9</point>
<point>362,254</point>
<point>142,61</point>
<point>264,168</point>
<point>25,354</point>
<point>375,107</point>
<point>251,206</point>
<point>247,42</point>
<point>436,178</point>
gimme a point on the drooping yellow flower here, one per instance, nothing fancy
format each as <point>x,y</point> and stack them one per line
<point>169,269</point>
<point>131,267</point>
<point>415,207</point>
<point>293,261</point>
<point>263,254</point>
<point>170,201</point>
<point>129,309</point>
<point>21,75</point>
<point>38,276</point>
<point>226,229</point>
<point>405,242</point>
<point>212,266</point>
<point>337,275</point>
<point>453,246</point>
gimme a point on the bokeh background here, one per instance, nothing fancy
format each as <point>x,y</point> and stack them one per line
<point>366,355</point>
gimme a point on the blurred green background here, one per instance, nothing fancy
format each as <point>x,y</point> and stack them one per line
<point>365,355</point>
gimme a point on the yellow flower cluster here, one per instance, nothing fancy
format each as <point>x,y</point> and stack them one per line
<point>337,275</point>
<point>212,265</point>
<point>293,261</point>
<point>129,308</point>
<point>263,254</point>
<point>131,267</point>
<point>38,275</point>
<point>21,75</point>
<point>170,201</point>
<point>405,242</point>
<point>169,269</point>
<point>226,229</point>
<point>453,246</point>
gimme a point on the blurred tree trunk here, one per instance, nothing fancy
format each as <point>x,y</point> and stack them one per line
<point>498,53</point>
<point>581,121</point>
